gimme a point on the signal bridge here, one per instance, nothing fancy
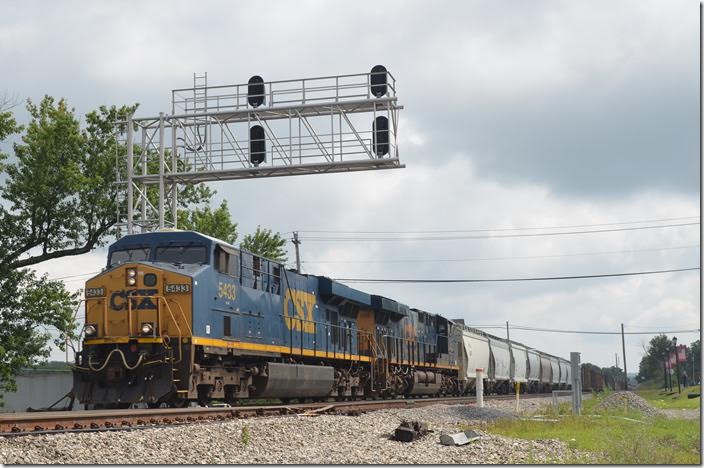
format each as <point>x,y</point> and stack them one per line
<point>319,125</point>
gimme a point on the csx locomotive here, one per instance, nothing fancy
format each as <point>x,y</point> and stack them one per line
<point>178,316</point>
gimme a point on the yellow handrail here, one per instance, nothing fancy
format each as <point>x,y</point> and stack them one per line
<point>159,321</point>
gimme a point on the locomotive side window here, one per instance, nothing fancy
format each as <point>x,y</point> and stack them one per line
<point>227,261</point>
<point>276,279</point>
<point>129,255</point>
<point>221,260</point>
<point>193,255</point>
<point>247,277</point>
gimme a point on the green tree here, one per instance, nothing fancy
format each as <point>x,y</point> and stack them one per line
<point>29,308</point>
<point>694,360</point>
<point>58,199</point>
<point>652,362</point>
<point>266,243</point>
<point>215,223</point>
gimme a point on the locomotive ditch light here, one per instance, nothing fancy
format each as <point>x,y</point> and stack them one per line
<point>90,330</point>
<point>147,328</point>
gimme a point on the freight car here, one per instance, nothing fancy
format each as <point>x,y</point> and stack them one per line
<point>177,316</point>
<point>592,378</point>
<point>506,363</point>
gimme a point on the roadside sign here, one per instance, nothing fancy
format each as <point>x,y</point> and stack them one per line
<point>681,353</point>
<point>672,359</point>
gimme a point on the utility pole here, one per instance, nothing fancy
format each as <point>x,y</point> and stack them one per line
<point>623,344</point>
<point>508,337</point>
<point>296,243</point>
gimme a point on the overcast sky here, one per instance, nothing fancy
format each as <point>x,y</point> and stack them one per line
<point>517,114</point>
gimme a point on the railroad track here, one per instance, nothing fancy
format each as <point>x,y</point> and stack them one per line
<point>51,422</point>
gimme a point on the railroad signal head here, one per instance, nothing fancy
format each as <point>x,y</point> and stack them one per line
<point>257,145</point>
<point>255,91</point>
<point>380,136</point>
<point>377,80</point>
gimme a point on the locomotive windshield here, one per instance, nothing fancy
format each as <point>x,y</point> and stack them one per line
<point>194,254</point>
<point>129,255</point>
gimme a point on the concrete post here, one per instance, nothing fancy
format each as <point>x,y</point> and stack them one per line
<point>479,386</point>
<point>576,383</point>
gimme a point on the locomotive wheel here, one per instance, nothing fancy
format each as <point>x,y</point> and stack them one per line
<point>205,395</point>
<point>178,402</point>
<point>230,396</point>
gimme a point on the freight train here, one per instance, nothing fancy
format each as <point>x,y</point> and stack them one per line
<point>179,317</point>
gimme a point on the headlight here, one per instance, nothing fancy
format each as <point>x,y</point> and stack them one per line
<point>147,328</point>
<point>131,276</point>
<point>90,330</point>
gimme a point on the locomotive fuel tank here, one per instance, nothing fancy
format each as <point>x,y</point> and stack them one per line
<point>293,381</point>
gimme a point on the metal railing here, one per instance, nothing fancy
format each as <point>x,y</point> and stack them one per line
<point>345,346</point>
<point>159,328</point>
<point>281,93</point>
<point>133,317</point>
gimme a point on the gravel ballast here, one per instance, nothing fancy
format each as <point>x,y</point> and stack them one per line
<point>297,439</point>
<point>629,400</point>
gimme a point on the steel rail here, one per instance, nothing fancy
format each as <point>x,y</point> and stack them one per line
<point>34,423</point>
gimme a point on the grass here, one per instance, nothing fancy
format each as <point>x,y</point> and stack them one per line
<point>613,436</point>
<point>676,401</point>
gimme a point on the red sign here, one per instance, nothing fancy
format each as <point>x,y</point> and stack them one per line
<point>682,353</point>
<point>671,359</point>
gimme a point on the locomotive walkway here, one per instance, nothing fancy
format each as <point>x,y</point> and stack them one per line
<point>16,424</point>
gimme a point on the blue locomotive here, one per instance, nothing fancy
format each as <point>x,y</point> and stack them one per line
<point>179,316</point>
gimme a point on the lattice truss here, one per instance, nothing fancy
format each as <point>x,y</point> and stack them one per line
<point>316,125</point>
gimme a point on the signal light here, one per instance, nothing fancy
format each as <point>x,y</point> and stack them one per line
<point>377,80</point>
<point>255,91</point>
<point>257,145</point>
<point>380,136</point>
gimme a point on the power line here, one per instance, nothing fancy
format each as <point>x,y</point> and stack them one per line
<point>482,280</point>
<point>75,276</point>
<point>584,332</point>
<point>539,234</point>
<point>499,258</point>
<point>495,229</point>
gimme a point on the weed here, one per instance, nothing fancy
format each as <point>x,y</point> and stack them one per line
<point>246,435</point>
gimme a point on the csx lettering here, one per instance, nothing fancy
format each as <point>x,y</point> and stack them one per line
<point>227,290</point>
<point>118,299</point>
<point>303,304</point>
